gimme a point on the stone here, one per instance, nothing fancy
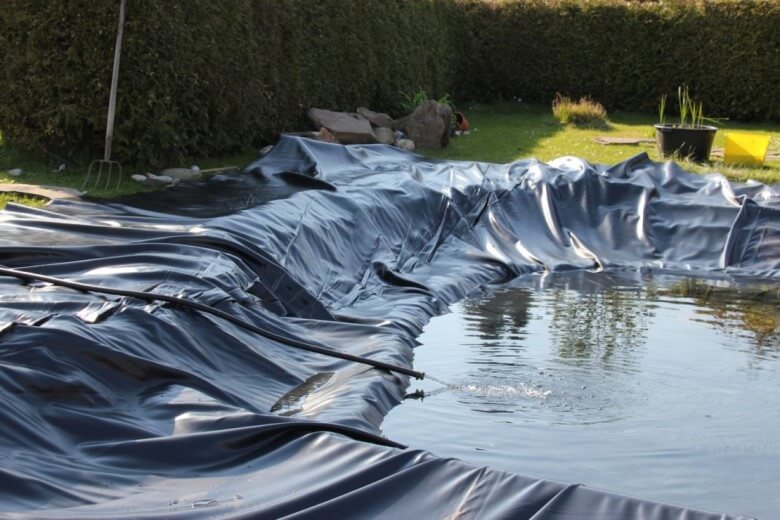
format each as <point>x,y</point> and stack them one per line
<point>266,150</point>
<point>384,135</point>
<point>324,135</point>
<point>45,192</point>
<point>195,168</point>
<point>137,177</point>
<point>405,144</point>
<point>16,172</point>
<point>309,134</point>
<point>428,126</point>
<point>320,135</point>
<point>159,180</point>
<point>183,174</point>
<point>347,128</point>
<point>377,119</point>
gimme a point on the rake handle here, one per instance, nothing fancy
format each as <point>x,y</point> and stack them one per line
<point>114,82</point>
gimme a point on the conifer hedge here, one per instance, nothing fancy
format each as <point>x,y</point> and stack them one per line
<point>202,78</point>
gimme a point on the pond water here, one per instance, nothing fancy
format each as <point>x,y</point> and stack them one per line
<point>660,387</point>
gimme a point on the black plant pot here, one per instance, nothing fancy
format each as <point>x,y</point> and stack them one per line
<point>693,142</point>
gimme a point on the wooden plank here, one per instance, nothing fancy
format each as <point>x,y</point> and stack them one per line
<point>617,140</point>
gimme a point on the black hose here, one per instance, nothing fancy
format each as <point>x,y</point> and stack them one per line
<point>191,304</point>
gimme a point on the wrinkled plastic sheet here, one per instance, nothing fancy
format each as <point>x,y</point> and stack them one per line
<point>113,406</point>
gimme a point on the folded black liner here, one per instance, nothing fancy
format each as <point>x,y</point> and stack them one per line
<point>116,406</point>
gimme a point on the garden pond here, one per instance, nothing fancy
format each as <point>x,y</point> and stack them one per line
<point>654,386</point>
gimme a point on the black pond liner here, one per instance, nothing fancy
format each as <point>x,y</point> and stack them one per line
<point>115,406</point>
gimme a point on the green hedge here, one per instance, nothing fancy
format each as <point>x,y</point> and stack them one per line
<point>626,54</point>
<point>200,77</point>
<point>203,78</point>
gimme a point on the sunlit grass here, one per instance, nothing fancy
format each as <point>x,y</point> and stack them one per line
<point>507,132</point>
<point>500,133</point>
<point>17,198</point>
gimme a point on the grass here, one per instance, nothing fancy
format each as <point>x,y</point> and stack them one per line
<point>584,113</point>
<point>39,171</point>
<point>27,200</point>
<point>500,133</point>
<point>511,131</point>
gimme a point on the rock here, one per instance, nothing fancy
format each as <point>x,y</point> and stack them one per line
<point>377,119</point>
<point>405,144</point>
<point>139,178</point>
<point>346,128</point>
<point>266,150</point>
<point>159,180</point>
<point>183,174</point>
<point>320,135</point>
<point>324,135</point>
<point>309,134</point>
<point>384,135</point>
<point>16,172</point>
<point>428,126</point>
<point>195,168</point>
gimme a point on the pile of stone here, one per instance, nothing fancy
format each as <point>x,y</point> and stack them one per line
<point>173,176</point>
<point>169,177</point>
<point>427,127</point>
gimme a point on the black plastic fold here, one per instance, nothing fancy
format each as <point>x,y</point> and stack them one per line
<point>123,407</point>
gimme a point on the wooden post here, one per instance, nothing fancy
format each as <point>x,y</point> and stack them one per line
<point>114,82</point>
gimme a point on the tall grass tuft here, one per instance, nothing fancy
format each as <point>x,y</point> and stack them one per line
<point>662,110</point>
<point>584,113</point>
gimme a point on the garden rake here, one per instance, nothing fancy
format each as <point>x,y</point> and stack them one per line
<point>98,167</point>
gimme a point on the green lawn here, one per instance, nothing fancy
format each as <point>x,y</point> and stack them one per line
<point>40,171</point>
<point>21,199</point>
<point>500,133</point>
<point>507,132</point>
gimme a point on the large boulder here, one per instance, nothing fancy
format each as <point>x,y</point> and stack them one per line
<point>324,135</point>
<point>377,119</point>
<point>428,126</point>
<point>346,127</point>
<point>320,135</point>
<point>384,135</point>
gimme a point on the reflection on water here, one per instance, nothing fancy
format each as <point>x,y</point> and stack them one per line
<point>654,386</point>
<point>505,314</point>
<point>607,327</point>
<point>750,313</point>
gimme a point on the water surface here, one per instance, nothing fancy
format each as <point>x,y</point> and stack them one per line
<point>654,386</point>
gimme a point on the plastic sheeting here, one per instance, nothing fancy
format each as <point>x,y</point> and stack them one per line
<point>114,406</point>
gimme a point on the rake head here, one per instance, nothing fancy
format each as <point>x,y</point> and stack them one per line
<point>100,166</point>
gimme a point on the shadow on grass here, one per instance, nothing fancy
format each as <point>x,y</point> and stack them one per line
<point>44,171</point>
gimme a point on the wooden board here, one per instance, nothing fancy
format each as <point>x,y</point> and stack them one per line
<point>630,141</point>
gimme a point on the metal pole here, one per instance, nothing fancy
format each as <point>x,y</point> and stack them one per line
<point>114,82</point>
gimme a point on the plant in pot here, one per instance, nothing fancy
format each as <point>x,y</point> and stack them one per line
<point>690,138</point>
